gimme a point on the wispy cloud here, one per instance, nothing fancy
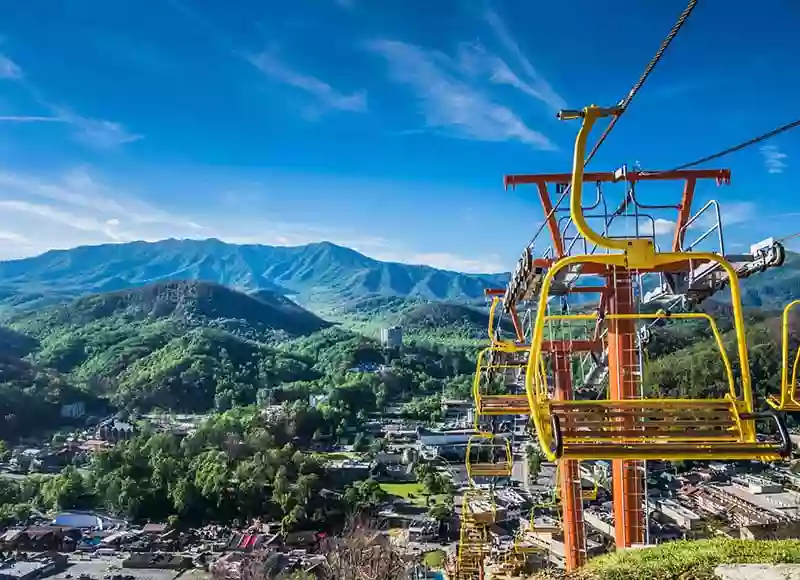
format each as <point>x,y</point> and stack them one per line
<point>346,4</point>
<point>74,209</point>
<point>51,213</point>
<point>97,133</point>
<point>732,213</point>
<point>451,104</point>
<point>325,97</point>
<point>489,264</point>
<point>774,159</point>
<point>9,69</point>
<point>738,212</point>
<point>536,86</point>
<point>30,119</point>
<point>78,189</point>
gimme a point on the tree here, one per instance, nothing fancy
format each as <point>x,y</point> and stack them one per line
<point>534,462</point>
<point>442,512</point>
<point>22,512</point>
<point>433,483</point>
<point>364,495</point>
<point>223,400</point>
<point>67,490</point>
<point>362,551</point>
<point>378,444</point>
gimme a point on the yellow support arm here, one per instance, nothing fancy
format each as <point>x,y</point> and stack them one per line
<point>787,401</point>
<point>639,252</point>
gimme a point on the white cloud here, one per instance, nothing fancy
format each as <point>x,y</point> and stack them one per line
<point>78,189</point>
<point>474,61</point>
<point>774,159</point>
<point>14,238</point>
<point>96,133</point>
<point>732,213</point>
<point>53,214</point>
<point>664,227</point>
<point>346,4</point>
<point>450,103</point>
<point>325,96</point>
<point>9,69</point>
<point>536,86</point>
<point>31,119</point>
<point>100,133</point>
<point>444,260</point>
<point>75,209</point>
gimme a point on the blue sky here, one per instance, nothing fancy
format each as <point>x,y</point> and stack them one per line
<point>383,125</point>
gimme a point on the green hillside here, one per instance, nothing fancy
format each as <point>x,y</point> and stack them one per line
<point>195,346</point>
<point>421,320</point>
<point>686,560</point>
<point>172,345</point>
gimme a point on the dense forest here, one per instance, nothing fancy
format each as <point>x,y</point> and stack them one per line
<point>236,466</point>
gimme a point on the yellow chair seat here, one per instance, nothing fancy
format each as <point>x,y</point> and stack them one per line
<point>660,429</point>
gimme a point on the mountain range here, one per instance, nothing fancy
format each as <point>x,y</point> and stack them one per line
<point>324,277</point>
<point>320,273</point>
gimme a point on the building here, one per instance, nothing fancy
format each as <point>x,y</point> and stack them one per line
<point>458,411</point>
<point>114,430</point>
<point>348,471</point>
<point>423,530</point>
<point>41,539</point>
<point>450,444</point>
<point>29,569</point>
<point>157,561</point>
<point>392,337</point>
<point>758,485</point>
<point>682,516</point>
<point>87,521</point>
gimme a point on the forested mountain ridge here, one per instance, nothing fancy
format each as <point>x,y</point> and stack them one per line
<point>315,273</point>
<point>321,275</point>
<point>196,346</point>
<point>175,345</point>
<point>196,303</point>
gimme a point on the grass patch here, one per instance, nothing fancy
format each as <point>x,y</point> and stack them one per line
<point>688,560</point>
<point>414,492</point>
<point>405,490</point>
<point>434,559</point>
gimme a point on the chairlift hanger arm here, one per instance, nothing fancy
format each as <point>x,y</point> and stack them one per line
<point>722,176</point>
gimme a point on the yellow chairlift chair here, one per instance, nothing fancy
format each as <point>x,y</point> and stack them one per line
<point>788,398</point>
<point>503,359</point>
<point>499,360</point>
<point>646,428</point>
<point>525,538</point>
<point>489,456</point>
